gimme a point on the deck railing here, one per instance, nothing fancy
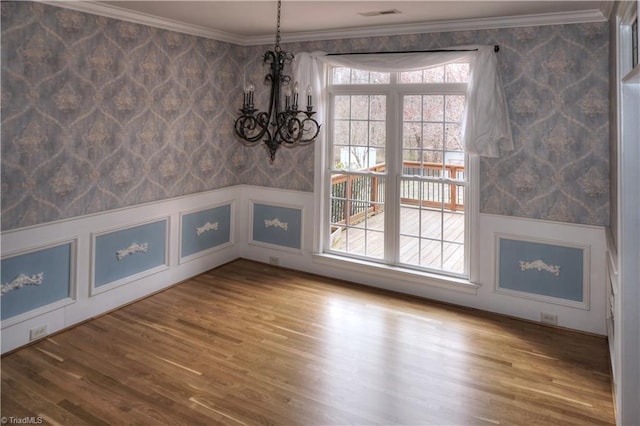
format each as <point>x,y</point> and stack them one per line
<point>357,196</point>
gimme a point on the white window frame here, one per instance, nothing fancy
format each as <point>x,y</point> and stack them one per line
<point>394,92</point>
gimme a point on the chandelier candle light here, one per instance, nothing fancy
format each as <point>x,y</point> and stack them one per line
<point>281,124</point>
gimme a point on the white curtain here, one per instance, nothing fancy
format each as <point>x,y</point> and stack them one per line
<point>486,129</point>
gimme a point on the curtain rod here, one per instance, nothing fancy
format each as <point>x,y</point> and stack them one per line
<point>496,48</point>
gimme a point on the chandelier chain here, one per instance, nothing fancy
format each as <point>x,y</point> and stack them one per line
<point>277,48</point>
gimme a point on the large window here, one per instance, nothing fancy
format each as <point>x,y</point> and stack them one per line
<point>398,172</point>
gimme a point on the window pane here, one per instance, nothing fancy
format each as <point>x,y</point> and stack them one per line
<point>378,107</point>
<point>342,107</point>
<point>453,227</point>
<point>453,137</point>
<point>453,257</point>
<point>341,132</point>
<point>338,187</point>
<point>380,78</point>
<point>377,133</point>
<point>357,207</point>
<point>374,244</point>
<point>380,159</point>
<point>359,76</point>
<point>409,219</point>
<point>457,73</point>
<point>434,75</point>
<point>410,192</point>
<point>359,132</point>
<point>431,253</point>
<point>431,223</point>
<point>412,135</point>
<point>409,250</point>
<point>459,198</point>
<point>377,222</point>
<point>431,235</point>
<point>433,108</point>
<point>359,107</point>
<point>433,157</point>
<point>359,141</point>
<point>411,77</point>
<point>454,108</point>
<point>411,162</point>
<point>433,135</point>
<point>412,110</point>
<point>449,73</point>
<point>341,75</point>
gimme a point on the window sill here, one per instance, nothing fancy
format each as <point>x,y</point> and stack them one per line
<point>397,273</point>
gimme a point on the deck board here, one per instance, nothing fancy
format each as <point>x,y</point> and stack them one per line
<point>426,222</point>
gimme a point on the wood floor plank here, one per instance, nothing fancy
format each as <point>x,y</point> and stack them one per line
<point>249,344</point>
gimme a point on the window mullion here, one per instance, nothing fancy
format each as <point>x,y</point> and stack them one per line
<point>394,161</point>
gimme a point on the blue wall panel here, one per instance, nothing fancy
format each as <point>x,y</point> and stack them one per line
<point>196,236</point>
<point>108,268</point>
<point>277,225</point>
<point>55,266</point>
<point>543,269</point>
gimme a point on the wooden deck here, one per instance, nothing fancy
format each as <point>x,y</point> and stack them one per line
<point>426,252</point>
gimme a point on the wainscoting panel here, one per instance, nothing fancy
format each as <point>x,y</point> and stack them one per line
<point>204,231</point>
<point>547,271</point>
<point>100,262</point>
<point>42,278</point>
<point>277,225</point>
<point>562,274</point>
<point>126,254</point>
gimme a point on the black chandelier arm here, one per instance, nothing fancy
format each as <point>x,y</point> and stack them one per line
<point>311,135</point>
<point>289,127</point>
<point>292,129</point>
<point>252,128</point>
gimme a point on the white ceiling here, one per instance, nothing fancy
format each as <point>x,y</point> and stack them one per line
<point>252,22</point>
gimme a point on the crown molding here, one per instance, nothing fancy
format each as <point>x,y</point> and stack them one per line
<point>116,12</point>
<point>442,26</point>
<point>122,14</point>
<point>607,8</point>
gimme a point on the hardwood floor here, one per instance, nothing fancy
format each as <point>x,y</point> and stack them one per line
<point>249,344</point>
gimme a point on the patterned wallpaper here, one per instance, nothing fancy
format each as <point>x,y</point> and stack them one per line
<point>100,114</point>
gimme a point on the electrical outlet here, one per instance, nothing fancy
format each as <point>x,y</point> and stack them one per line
<point>274,260</point>
<point>548,318</point>
<point>38,332</point>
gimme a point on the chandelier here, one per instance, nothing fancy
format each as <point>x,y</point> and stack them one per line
<point>284,122</point>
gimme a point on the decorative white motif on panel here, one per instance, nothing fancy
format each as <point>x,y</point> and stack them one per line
<point>275,222</point>
<point>22,280</point>
<point>207,227</point>
<point>540,266</point>
<point>133,248</point>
